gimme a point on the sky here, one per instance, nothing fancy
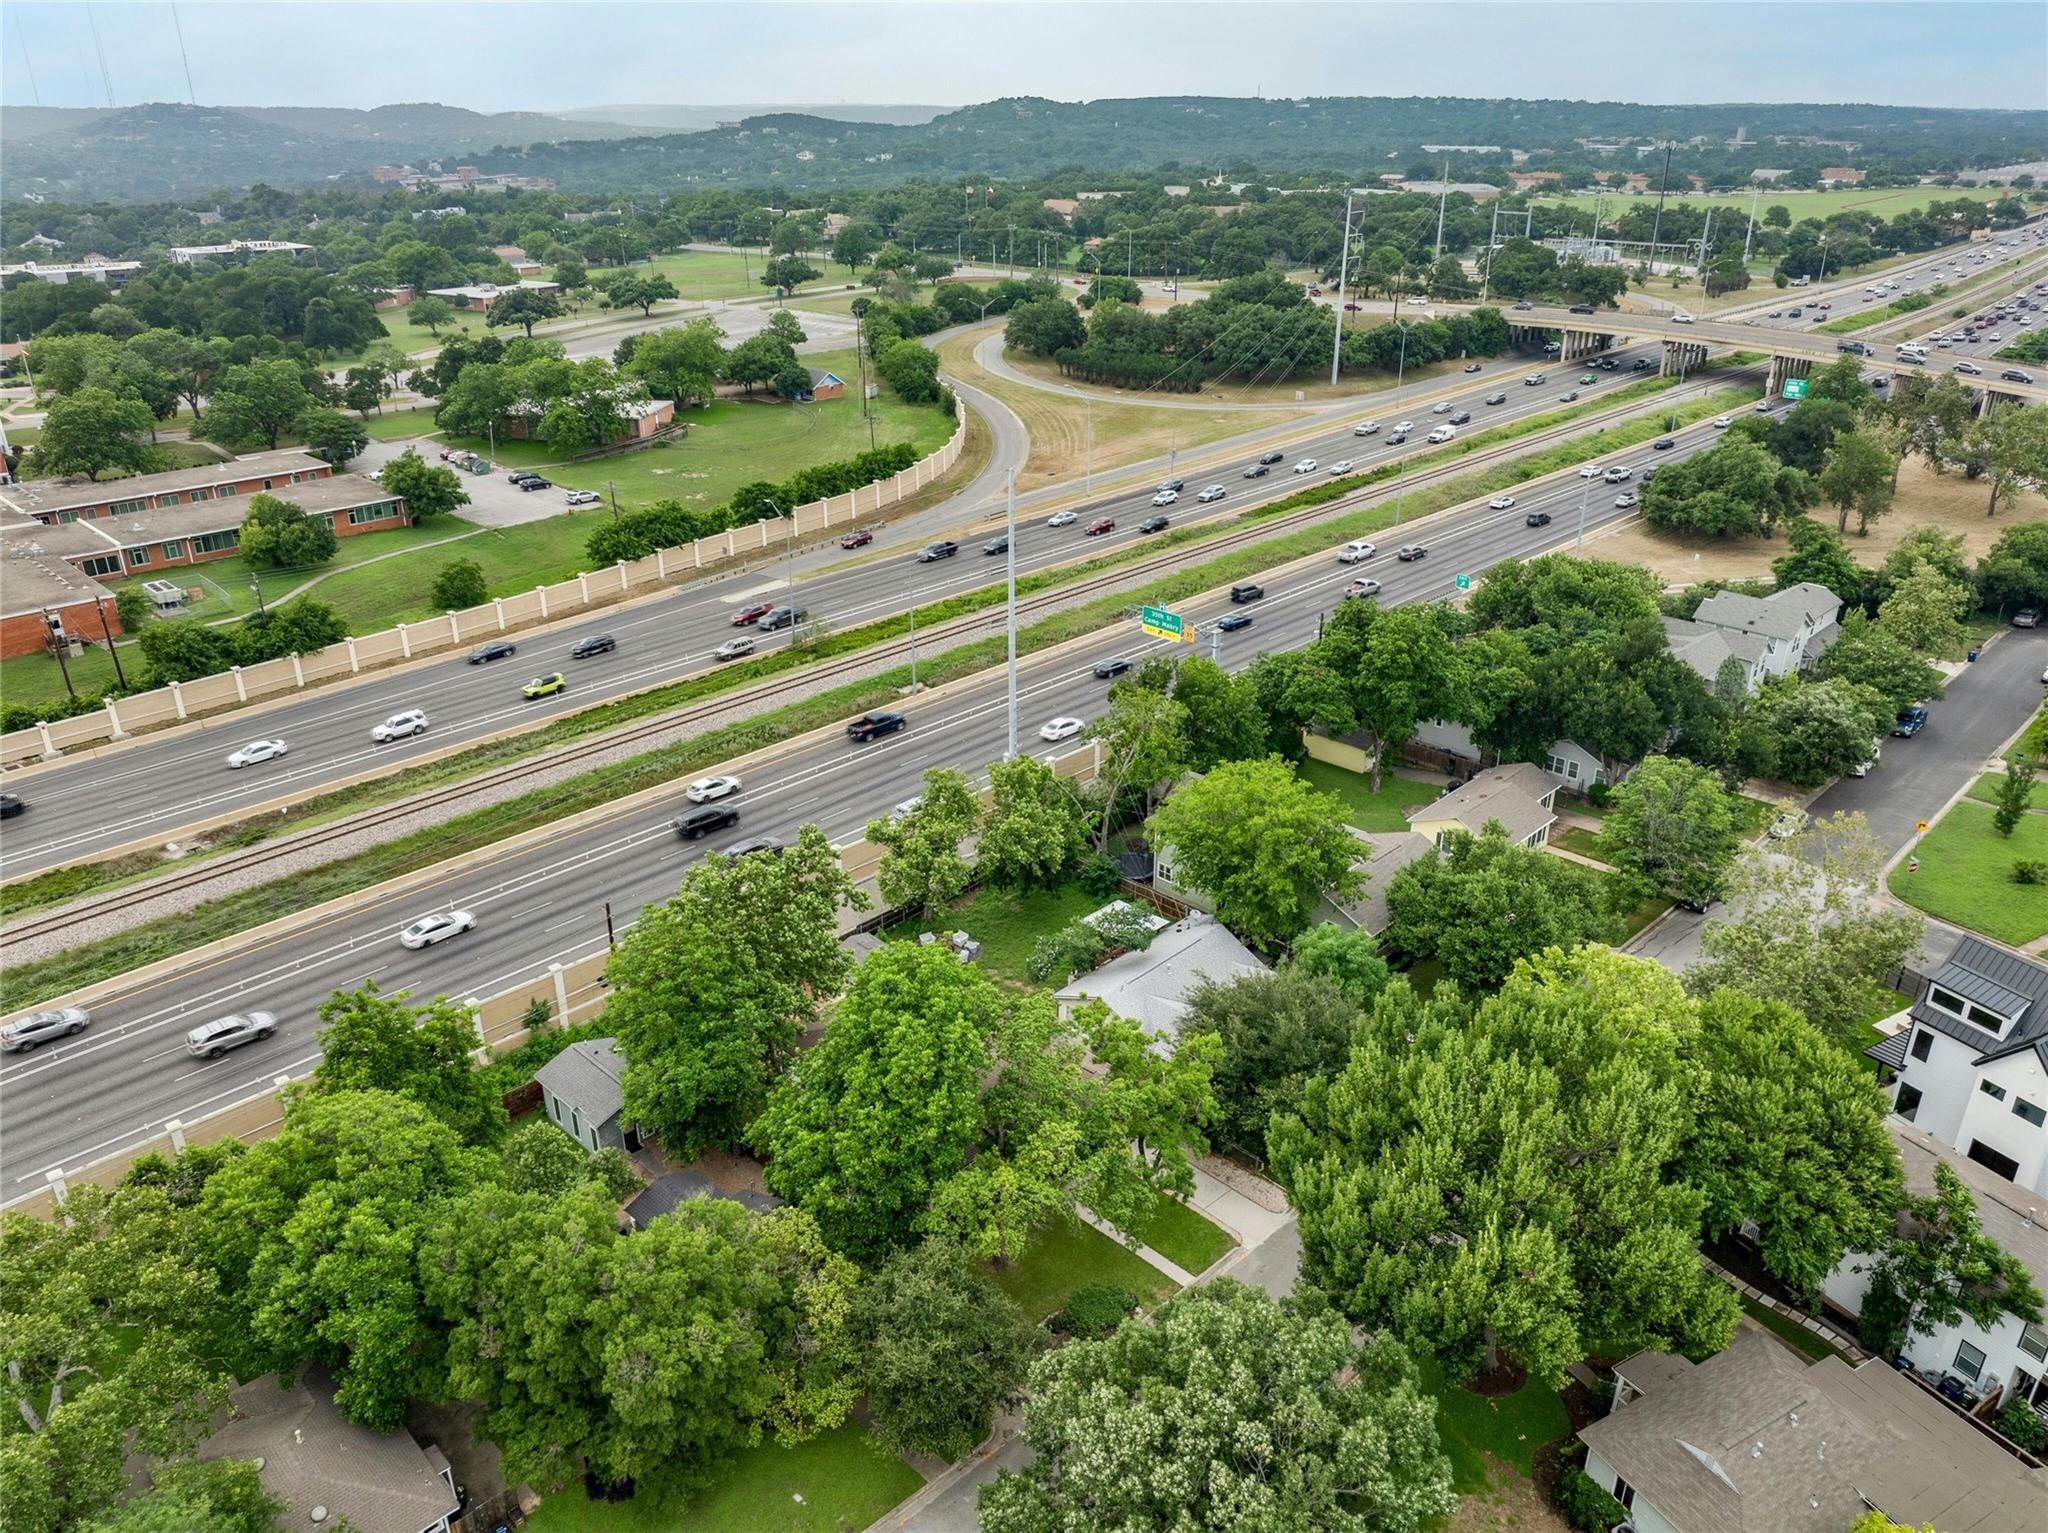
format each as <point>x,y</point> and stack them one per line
<point>542,55</point>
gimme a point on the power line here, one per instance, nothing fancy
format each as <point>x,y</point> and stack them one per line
<point>182,54</point>
<point>99,48</point>
<point>27,63</point>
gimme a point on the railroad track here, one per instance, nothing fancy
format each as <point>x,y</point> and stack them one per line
<point>40,924</point>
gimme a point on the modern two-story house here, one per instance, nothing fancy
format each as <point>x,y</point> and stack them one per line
<point>1776,635</point>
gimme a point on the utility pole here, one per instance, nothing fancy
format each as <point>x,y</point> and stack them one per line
<point>1128,235</point>
<point>120,676</point>
<point>1010,610</point>
<point>1755,192</point>
<point>53,632</point>
<point>1657,223</point>
<point>1443,191</point>
<point>1585,493</point>
<point>1343,269</point>
<point>1706,241</point>
<point>1492,241</point>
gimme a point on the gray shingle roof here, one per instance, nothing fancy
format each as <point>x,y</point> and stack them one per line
<point>1148,987</point>
<point>588,1077</point>
<point>1892,1051</point>
<point>1514,795</point>
<point>1781,615</point>
<point>1384,854</point>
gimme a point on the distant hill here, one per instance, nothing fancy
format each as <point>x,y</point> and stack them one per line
<point>694,119</point>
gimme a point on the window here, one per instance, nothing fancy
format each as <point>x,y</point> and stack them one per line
<point>227,490</point>
<point>2034,1342</point>
<point>1923,1044</point>
<point>64,517</point>
<point>1967,1011</point>
<point>201,494</point>
<point>1984,1155</point>
<point>175,549</point>
<point>575,1125</point>
<point>1557,766</point>
<point>212,542</point>
<point>102,564</point>
<point>137,557</point>
<point>1992,1089</point>
<point>266,483</point>
<point>377,513</point>
<point>1969,1361</point>
<point>1908,1102</point>
<point>2022,1108</point>
<point>124,507</point>
<point>1624,1492</point>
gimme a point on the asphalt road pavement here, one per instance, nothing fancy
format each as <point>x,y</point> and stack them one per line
<point>121,1080</point>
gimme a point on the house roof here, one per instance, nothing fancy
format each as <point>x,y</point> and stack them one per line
<point>103,534</point>
<point>2006,982</point>
<point>1383,854</point>
<point>1518,796</point>
<point>818,378</point>
<point>1781,615</point>
<point>1706,648</point>
<point>45,497</point>
<point>325,1467</point>
<point>1150,987</point>
<point>1754,1440</point>
<point>588,1077</point>
<point>2007,1212</point>
<point>1892,1051</point>
<point>665,1194</point>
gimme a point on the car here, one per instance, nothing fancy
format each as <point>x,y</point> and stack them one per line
<point>1396,438</point>
<point>1462,418</point>
<point>535,482</point>
<point>872,726</point>
<point>1662,444</point>
<point>753,844</point>
<point>12,804</point>
<point>1852,348</point>
<point>1410,552</point>
<point>1402,428</point>
<point>1795,313</point>
<point>1649,474</point>
<point>1471,367</point>
<point>1173,486</point>
<point>1356,551</point>
<point>1213,493</point>
<point>1609,364</point>
<point>1993,335</point>
<point>1234,622</point>
<point>2014,375</point>
<point>1269,459</point>
<point>1618,473</point>
<point>945,548</point>
<point>1342,466</point>
<point>1970,369</point>
<point>1366,428</point>
<point>1626,500</point>
<point>1533,381</point>
<point>1641,365</point>
<point>583,497</point>
<point>1063,519</point>
<point>520,476</point>
<point>544,686</point>
<point>705,789</point>
<point>995,546</point>
<point>38,1027</point>
<point>1099,526</point>
<point>1353,308</point>
<point>1166,497</point>
<point>1441,407</point>
<point>2027,617</point>
<point>1257,471</point>
<point>1501,503</point>
<point>1154,524</point>
<point>1536,519</point>
<point>1568,396</point>
<point>592,644</point>
<point>497,649</point>
<point>1589,378</point>
<point>1775,314</point>
<point>1116,666</point>
<point>1363,588</point>
<point>1723,422</point>
<point>256,751</point>
<point>1442,434</point>
<point>1305,466</point>
<point>1497,398</point>
<point>1580,308</point>
<point>752,613</point>
<point>438,927</point>
<point>860,537</point>
<point>1910,722</point>
<point>210,1040</point>
<point>1763,407</point>
<point>1525,304</point>
<point>783,617</point>
<point>699,823</point>
<point>411,722</point>
<point>732,649</point>
<point>1062,728</point>
<point>1246,591</point>
<point>1590,471</point>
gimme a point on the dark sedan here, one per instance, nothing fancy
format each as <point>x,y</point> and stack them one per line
<point>498,649</point>
<point>592,644</point>
<point>1536,519</point>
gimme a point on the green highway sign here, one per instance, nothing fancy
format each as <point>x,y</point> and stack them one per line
<point>1162,624</point>
<point>1463,582</point>
<point>1795,388</point>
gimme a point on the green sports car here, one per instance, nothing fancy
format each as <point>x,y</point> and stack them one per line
<point>543,686</point>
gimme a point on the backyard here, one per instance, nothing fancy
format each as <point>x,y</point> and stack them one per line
<point>1067,1255</point>
<point>1381,811</point>
<point>1966,874</point>
<point>1006,922</point>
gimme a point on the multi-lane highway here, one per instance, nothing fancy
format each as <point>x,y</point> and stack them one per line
<point>151,790</point>
<point>123,1078</point>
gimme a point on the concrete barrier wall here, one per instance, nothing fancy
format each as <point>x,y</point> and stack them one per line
<point>439,635</point>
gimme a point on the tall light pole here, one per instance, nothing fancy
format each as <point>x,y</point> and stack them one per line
<point>1755,192</point>
<point>1492,241</point>
<point>1010,608</point>
<point>1343,270</point>
<point>1585,493</point>
<point>1443,192</point>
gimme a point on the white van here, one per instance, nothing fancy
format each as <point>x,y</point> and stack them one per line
<point>1443,433</point>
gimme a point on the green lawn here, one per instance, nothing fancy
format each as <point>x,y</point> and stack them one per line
<point>1184,1237</point>
<point>703,273</point>
<point>1006,922</point>
<point>1511,1428</point>
<point>513,558</point>
<point>1966,877</point>
<point>1363,807</point>
<point>1576,838</point>
<point>1985,790</point>
<point>1788,1330</point>
<point>846,1480</point>
<point>1637,917</point>
<point>1885,201</point>
<point>1068,1255</point>
<point>396,425</point>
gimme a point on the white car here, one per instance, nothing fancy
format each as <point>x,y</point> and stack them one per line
<point>1305,466</point>
<point>1620,473</point>
<point>705,789</point>
<point>1681,319</point>
<point>256,751</point>
<point>732,649</point>
<point>1366,428</point>
<point>1356,552</point>
<point>1063,519</point>
<point>1059,729</point>
<point>1214,492</point>
<point>1501,503</point>
<point>428,930</point>
<point>1341,466</point>
<point>584,497</point>
<point>1166,497</point>
<point>1723,422</point>
<point>1404,427</point>
<point>1625,500</point>
<point>1591,471</point>
<point>411,722</point>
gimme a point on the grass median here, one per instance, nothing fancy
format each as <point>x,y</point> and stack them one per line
<point>27,983</point>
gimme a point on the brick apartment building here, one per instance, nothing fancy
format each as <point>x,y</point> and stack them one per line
<point>59,541</point>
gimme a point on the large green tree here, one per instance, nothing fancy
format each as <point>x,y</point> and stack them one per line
<point>278,535</point>
<point>1925,613</point>
<point>375,1042</point>
<point>1860,477</point>
<point>255,404</point>
<point>1143,739</point>
<point>1806,733</point>
<point>681,362</point>
<point>1938,1267</point>
<point>1278,1030</point>
<point>1499,1184</point>
<point>2015,572</point>
<point>1036,827</point>
<point>1226,1412</point>
<point>1260,842</point>
<point>331,435</point>
<point>92,432</point>
<point>921,867</point>
<point>1735,489</point>
<point>1872,655</point>
<point>1395,667</point>
<point>1672,829</point>
<point>523,306</point>
<point>429,490</point>
<point>188,1496</point>
<point>1817,555</point>
<point>713,988</point>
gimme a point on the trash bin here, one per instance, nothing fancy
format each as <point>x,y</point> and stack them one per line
<point>1973,657</point>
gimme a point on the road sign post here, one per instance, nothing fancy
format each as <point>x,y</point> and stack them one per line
<point>1462,582</point>
<point>1793,388</point>
<point>1162,624</point>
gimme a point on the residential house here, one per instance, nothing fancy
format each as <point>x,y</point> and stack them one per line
<point>1382,854</point>
<point>1776,635</point>
<point>324,1468</point>
<point>393,297</point>
<point>2007,1358</point>
<point>1064,206</point>
<point>670,1191</point>
<point>1442,744</point>
<point>582,1090</point>
<point>645,419</point>
<point>1972,1062</point>
<point>1520,796</point>
<point>1756,1440</point>
<point>826,385</point>
<point>1151,987</point>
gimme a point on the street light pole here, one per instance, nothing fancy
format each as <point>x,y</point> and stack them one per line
<point>1585,494</point>
<point>1010,610</point>
<point>1343,270</point>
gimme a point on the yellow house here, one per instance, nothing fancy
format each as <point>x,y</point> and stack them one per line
<point>1520,796</point>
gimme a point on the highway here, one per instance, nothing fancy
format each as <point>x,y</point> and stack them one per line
<point>80,1098</point>
<point>151,790</point>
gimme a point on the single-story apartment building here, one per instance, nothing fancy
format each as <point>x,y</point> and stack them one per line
<point>479,296</point>
<point>645,419</point>
<point>112,273</point>
<point>582,1090</point>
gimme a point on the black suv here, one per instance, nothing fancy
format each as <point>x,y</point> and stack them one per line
<point>699,823</point>
<point>2014,375</point>
<point>872,726</point>
<point>933,551</point>
<point>1462,418</point>
<point>783,617</point>
<point>1580,308</point>
<point>592,644</point>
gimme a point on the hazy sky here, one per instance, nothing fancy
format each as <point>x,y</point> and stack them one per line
<point>544,56</point>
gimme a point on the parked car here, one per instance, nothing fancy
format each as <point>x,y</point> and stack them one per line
<point>1099,526</point>
<point>1910,722</point>
<point>1106,669</point>
<point>257,751</point>
<point>945,548</point>
<point>544,686</point>
<point>210,1040</point>
<point>583,497</point>
<point>860,537</point>
<point>699,823</point>
<point>1062,728</point>
<point>39,1027</point>
<point>2027,617</point>
<point>535,482</point>
<point>411,722</point>
<point>497,649</point>
<point>592,644</point>
<point>872,726</point>
<point>1234,622</point>
<point>1063,519</point>
<point>438,927</point>
<point>732,649</point>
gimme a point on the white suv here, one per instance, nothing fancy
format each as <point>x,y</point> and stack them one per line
<point>411,722</point>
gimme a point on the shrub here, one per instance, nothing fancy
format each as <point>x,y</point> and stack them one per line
<point>2030,870</point>
<point>460,584</point>
<point>1100,874</point>
<point>1585,1505</point>
<point>1599,794</point>
<point>1095,1310</point>
<point>2017,1421</point>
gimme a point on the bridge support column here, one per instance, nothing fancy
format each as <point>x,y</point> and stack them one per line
<point>1986,403</point>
